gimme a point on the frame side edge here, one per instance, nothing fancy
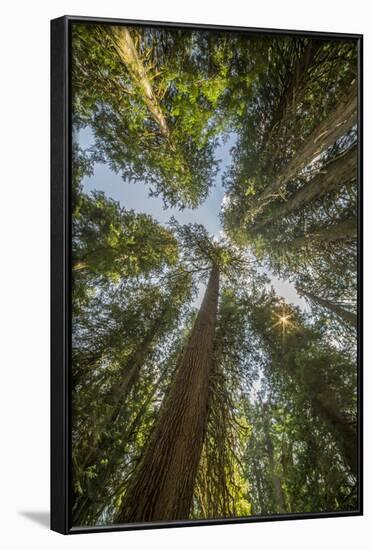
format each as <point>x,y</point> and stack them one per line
<point>360,421</point>
<point>58,365</point>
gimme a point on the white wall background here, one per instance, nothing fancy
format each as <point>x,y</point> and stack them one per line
<point>24,288</point>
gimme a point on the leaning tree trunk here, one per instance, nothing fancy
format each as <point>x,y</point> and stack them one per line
<point>346,230</point>
<point>293,89</point>
<point>347,316</point>
<point>87,510</point>
<point>335,125</point>
<point>345,434</point>
<point>340,171</point>
<point>163,484</point>
<point>119,394</point>
<point>325,406</point>
<point>117,406</point>
<point>125,47</point>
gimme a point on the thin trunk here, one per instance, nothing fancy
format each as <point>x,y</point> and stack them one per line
<point>345,434</point>
<point>347,316</point>
<point>259,487</point>
<point>163,485</point>
<point>127,52</point>
<point>132,372</point>
<point>346,230</point>
<point>286,460</point>
<point>338,172</point>
<point>94,452</point>
<point>325,406</point>
<point>335,125</point>
<point>85,511</point>
<point>275,479</point>
<point>129,377</point>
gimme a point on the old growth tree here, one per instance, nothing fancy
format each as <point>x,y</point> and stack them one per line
<point>197,391</point>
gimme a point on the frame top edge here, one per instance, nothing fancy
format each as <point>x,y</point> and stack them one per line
<point>207,26</point>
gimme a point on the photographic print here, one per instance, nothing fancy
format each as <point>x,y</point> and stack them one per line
<point>214,274</point>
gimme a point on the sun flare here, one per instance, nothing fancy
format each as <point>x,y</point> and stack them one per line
<point>283,321</point>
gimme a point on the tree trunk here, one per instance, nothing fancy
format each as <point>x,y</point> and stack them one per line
<point>275,479</point>
<point>342,231</point>
<point>345,434</point>
<point>334,175</point>
<point>293,88</point>
<point>129,377</point>
<point>127,52</point>
<point>259,488</point>
<point>132,371</point>
<point>335,125</point>
<point>324,405</point>
<point>347,316</point>
<point>85,511</point>
<point>163,484</point>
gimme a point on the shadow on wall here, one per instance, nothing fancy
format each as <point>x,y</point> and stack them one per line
<point>42,518</point>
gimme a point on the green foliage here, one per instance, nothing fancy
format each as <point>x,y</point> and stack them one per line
<point>280,434</point>
<point>222,490</point>
<point>309,406</point>
<point>112,242</point>
<point>125,348</point>
<point>108,98</point>
<point>303,229</point>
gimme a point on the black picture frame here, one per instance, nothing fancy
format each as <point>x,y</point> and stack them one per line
<point>61,279</point>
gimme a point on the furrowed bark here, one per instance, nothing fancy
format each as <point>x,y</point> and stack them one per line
<point>336,124</point>
<point>347,316</point>
<point>338,172</point>
<point>163,485</point>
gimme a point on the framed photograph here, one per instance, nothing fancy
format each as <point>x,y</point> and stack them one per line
<point>206,274</point>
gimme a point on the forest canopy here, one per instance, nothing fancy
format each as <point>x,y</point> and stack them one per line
<point>214,274</point>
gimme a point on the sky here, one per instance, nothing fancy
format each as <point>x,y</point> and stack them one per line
<point>136,196</point>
